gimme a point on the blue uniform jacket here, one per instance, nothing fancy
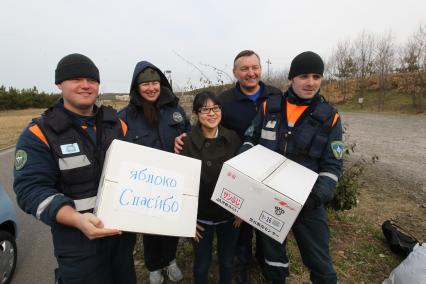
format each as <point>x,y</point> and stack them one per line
<point>327,165</point>
<point>36,177</point>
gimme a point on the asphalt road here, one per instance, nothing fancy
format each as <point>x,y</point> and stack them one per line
<point>36,262</point>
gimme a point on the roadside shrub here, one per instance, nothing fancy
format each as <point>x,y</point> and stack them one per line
<point>346,195</point>
<point>12,98</point>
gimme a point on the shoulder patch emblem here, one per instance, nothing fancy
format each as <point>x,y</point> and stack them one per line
<point>20,159</point>
<point>177,116</point>
<point>338,149</point>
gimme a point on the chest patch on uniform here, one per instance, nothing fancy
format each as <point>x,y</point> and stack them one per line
<point>337,147</point>
<point>177,116</point>
<point>271,124</point>
<point>70,148</point>
<point>20,159</point>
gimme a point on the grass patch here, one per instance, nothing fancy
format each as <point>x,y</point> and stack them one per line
<point>12,122</point>
<point>395,102</point>
<point>360,253</point>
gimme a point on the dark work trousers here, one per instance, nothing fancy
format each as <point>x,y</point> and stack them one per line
<point>312,236</point>
<point>106,260</point>
<point>159,251</point>
<point>243,250</point>
<point>276,261</point>
<point>227,236</point>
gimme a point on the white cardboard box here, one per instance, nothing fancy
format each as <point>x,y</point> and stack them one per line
<point>265,189</point>
<point>148,191</point>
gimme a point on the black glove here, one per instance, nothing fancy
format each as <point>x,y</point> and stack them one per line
<point>311,203</point>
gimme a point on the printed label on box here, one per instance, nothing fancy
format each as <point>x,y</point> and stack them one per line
<point>149,191</point>
<point>270,220</point>
<point>231,198</point>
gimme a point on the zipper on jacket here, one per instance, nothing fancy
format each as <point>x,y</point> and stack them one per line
<point>286,136</point>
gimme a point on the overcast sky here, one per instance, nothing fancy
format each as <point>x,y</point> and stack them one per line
<point>35,35</point>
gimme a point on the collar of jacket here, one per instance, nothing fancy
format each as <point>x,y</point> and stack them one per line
<point>62,118</point>
<point>264,92</point>
<point>198,137</point>
<point>294,99</point>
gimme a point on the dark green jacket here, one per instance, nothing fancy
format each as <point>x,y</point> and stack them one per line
<point>212,152</point>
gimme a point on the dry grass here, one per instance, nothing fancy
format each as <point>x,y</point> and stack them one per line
<point>12,122</point>
<point>360,253</point>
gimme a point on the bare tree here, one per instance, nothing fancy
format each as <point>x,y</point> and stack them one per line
<point>420,74</point>
<point>413,68</point>
<point>408,64</point>
<point>204,79</point>
<point>384,63</point>
<point>330,83</point>
<point>364,47</point>
<point>408,57</point>
<point>219,73</point>
<point>278,79</point>
<point>344,65</point>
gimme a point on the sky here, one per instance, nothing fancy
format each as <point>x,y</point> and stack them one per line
<point>176,35</point>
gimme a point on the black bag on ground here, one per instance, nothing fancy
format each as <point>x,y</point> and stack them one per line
<point>400,241</point>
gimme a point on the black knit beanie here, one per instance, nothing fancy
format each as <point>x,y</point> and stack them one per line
<point>305,63</point>
<point>76,66</point>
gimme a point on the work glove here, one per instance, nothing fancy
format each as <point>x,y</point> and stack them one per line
<point>311,203</point>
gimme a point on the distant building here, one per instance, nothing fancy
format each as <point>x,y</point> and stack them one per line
<point>125,98</point>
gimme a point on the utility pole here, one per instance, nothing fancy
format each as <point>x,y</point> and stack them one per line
<point>269,63</point>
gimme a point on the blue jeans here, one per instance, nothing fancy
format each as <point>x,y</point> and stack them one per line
<point>227,236</point>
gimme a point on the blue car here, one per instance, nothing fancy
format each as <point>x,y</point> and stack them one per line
<point>8,234</point>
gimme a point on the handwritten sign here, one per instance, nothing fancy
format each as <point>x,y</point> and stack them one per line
<point>149,191</point>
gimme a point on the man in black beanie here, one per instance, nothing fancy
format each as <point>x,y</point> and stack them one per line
<point>59,160</point>
<point>304,127</point>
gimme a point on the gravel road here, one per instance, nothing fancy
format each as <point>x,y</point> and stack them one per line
<point>398,140</point>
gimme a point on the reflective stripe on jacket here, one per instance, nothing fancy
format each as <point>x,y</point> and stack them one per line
<point>79,159</point>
